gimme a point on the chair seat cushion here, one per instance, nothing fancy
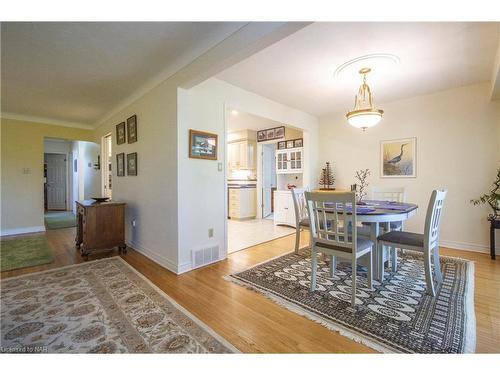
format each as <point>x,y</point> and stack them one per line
<point>403,238</point>
<point>305,222</point>
<point>363,244</point>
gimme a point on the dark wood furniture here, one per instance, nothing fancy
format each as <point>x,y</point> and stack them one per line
<point>494,224</point>
<point>100,226</point>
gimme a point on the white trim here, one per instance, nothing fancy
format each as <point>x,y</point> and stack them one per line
<point>44,120</point>
<point>162,261</point>
<point>467,246</point>
<point>14,231</point>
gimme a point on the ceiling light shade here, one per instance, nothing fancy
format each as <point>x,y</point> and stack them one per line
<point>364,115</point>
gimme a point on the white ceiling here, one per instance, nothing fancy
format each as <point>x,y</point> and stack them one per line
<point>78,72</point>
<point>244,121</point>
<point>298,70</point>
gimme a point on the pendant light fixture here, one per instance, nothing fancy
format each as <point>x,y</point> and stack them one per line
<point>364,115</point>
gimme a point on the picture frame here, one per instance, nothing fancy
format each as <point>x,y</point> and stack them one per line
<point>261,135</point>
<point>398,158</point>
<point>279,132</point>
<point>281,145</point>
<point>120,164</point>
<point>132,129</point>
<point>290,143</point>
<point>299,142</point>
<point>203,145</point>
<point>121,134</point>
<point>132,164</point>
<point>271,134</point>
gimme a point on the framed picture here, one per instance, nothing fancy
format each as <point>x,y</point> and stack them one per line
<point>202,145</point>
<point>269,134</point>
<point>120,164</point>
<point>132,164</point>
<point>261,135</point>
<point>289,144</point>
<point>132,129</point>
<point>120,133</point>
<point>398,158</point>
<point>298,142</point>
<point>281,145</point>
<point>279,132</point>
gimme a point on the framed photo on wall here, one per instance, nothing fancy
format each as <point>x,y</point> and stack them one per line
<point>202,145</point>
<point>279,132</point>
<point>398,158</point>
<point>132,164</point>
<point>289,144</point>
<point>298,142</point>
<point>120,164</point>
<point>120,133</point>
<point>271,134</point>
<point>281,145</point>
<point>132,129</point>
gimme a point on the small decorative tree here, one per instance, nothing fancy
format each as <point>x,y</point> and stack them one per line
<point>493,198</point>
<point>361,176</point>
<point>326,178</point>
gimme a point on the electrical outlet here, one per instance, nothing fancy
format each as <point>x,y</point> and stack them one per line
<point>210,232</point>
<point>133,223</point>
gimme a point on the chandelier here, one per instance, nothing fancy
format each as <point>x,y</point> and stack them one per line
<point>364,115</point>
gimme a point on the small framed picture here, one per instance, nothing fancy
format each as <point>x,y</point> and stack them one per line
<point>281,145</point>
<point>279,132</point>
<point>132,164</point>
<point>269,134</point>
<point>120,164</point>
<point>398,158</point>
<point>120,133</point>
<point>202,145</point>
<point>298,142</point>
<point>132,129</point>
<point>261,136</point>
<point>289,144</point>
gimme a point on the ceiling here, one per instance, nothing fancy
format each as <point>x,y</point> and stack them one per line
<point>243,121</point>
<point>299,70</point>
<point>79,72</point>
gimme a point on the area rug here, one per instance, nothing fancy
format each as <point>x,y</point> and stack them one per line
<point>59,220</point>
<point>24,252</point>
<point>396,316</point>
<point>103,306</point>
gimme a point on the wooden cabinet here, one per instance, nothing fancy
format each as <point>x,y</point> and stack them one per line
<point>290,160</point>
<point>242,203</point>
<point>284,213</point>
<point>100,226</point>
<point>242,155</point>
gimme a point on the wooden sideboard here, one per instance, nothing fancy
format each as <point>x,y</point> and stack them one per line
<point>100,226</point>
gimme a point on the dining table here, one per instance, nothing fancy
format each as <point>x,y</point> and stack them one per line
<point>377,214</point>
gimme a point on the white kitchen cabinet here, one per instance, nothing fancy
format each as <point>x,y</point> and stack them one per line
<point>290,160</point>
<point>284,213</point>
<point>242,203</point>
<point>242,155</point>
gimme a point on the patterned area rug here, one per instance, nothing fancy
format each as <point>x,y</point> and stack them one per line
<point>396,316</point>
<point>104,306</point>
<point>24,252</point>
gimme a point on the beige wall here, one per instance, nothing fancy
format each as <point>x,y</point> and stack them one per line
<point>22,147</point>
<point>457,149</point>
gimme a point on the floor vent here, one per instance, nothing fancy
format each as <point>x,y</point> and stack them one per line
<point>205,256</point>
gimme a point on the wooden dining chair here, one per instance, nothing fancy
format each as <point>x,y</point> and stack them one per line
<point>332,235</point>
<point>301,218</point>
<point>428,242</point>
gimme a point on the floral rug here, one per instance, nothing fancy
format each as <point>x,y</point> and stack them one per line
<point>104,306</point>
<point>395,316</point>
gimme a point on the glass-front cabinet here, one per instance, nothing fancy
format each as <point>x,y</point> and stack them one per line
<point>289,160</point>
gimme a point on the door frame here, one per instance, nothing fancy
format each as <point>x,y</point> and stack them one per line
<point>104,164</point>
<point>68,188</point>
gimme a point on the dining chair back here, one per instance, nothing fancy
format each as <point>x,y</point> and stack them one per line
<point>433,218</point>
<point>393,194</point>
<point>301,219</point>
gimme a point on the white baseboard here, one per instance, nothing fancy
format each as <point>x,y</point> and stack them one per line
<point>467,246</point>
<point>14,231</point>
<point>162,261</point>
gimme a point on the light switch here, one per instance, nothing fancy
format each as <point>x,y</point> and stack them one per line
<point>219,167</point>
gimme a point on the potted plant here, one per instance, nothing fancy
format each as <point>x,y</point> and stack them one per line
<point>492,198</point>
<point>362,185</point>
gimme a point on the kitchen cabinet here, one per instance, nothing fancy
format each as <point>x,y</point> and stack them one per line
<point>290,160</point>
<point>284,212</point>
<point>242,203</point>
<point>242,155</point>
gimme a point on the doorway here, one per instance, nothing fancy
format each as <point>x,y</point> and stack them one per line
<point>55,181</point>
<point>268,179</point>
<point>107,175</point>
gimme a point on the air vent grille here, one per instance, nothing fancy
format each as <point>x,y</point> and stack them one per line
<point>207,255</point>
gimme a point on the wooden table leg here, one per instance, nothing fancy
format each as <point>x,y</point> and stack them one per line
<point>492,239</point>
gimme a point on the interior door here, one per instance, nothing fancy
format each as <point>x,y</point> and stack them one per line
<point>56,181</point>
<point>268,178</point>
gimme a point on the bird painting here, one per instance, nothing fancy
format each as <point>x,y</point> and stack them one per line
<point>398,158</point>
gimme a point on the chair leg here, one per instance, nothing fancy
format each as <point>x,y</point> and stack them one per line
<point>380,261</point>
<point>428,273</point>
<point>370,271</point>
<point>354,267</point>
<point>314,266</point>
<point>394,259</point>
<point>333,265</point>
<point>437,265</point>
<point>297,239</point>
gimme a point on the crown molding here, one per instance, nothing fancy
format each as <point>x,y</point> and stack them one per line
<point>44,120</point>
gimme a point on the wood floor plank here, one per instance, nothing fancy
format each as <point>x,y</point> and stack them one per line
<point>255,324</point>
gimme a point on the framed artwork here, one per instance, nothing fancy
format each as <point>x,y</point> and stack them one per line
<point>120,164</point>
<point>270,134</point>
<point>261,135</point>
<point>398,158</point>
<point>202,145</point>
<point>120,133</point>
<point>289,144</point>
<point>132,164</point>
<point>281,145</point>
<point>298,142</point>
<point>279,132</point>
<point>132,129</point>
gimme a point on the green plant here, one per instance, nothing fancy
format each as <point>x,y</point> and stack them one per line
<point>492,198</point>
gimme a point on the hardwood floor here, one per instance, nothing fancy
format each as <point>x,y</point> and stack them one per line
<point>252,322</point>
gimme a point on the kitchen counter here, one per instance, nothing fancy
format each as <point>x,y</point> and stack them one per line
<point>241,186</point>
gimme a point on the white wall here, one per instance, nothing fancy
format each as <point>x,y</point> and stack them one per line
<point>457,149</point>
<point>89,177</point>
<point>201,187</point>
